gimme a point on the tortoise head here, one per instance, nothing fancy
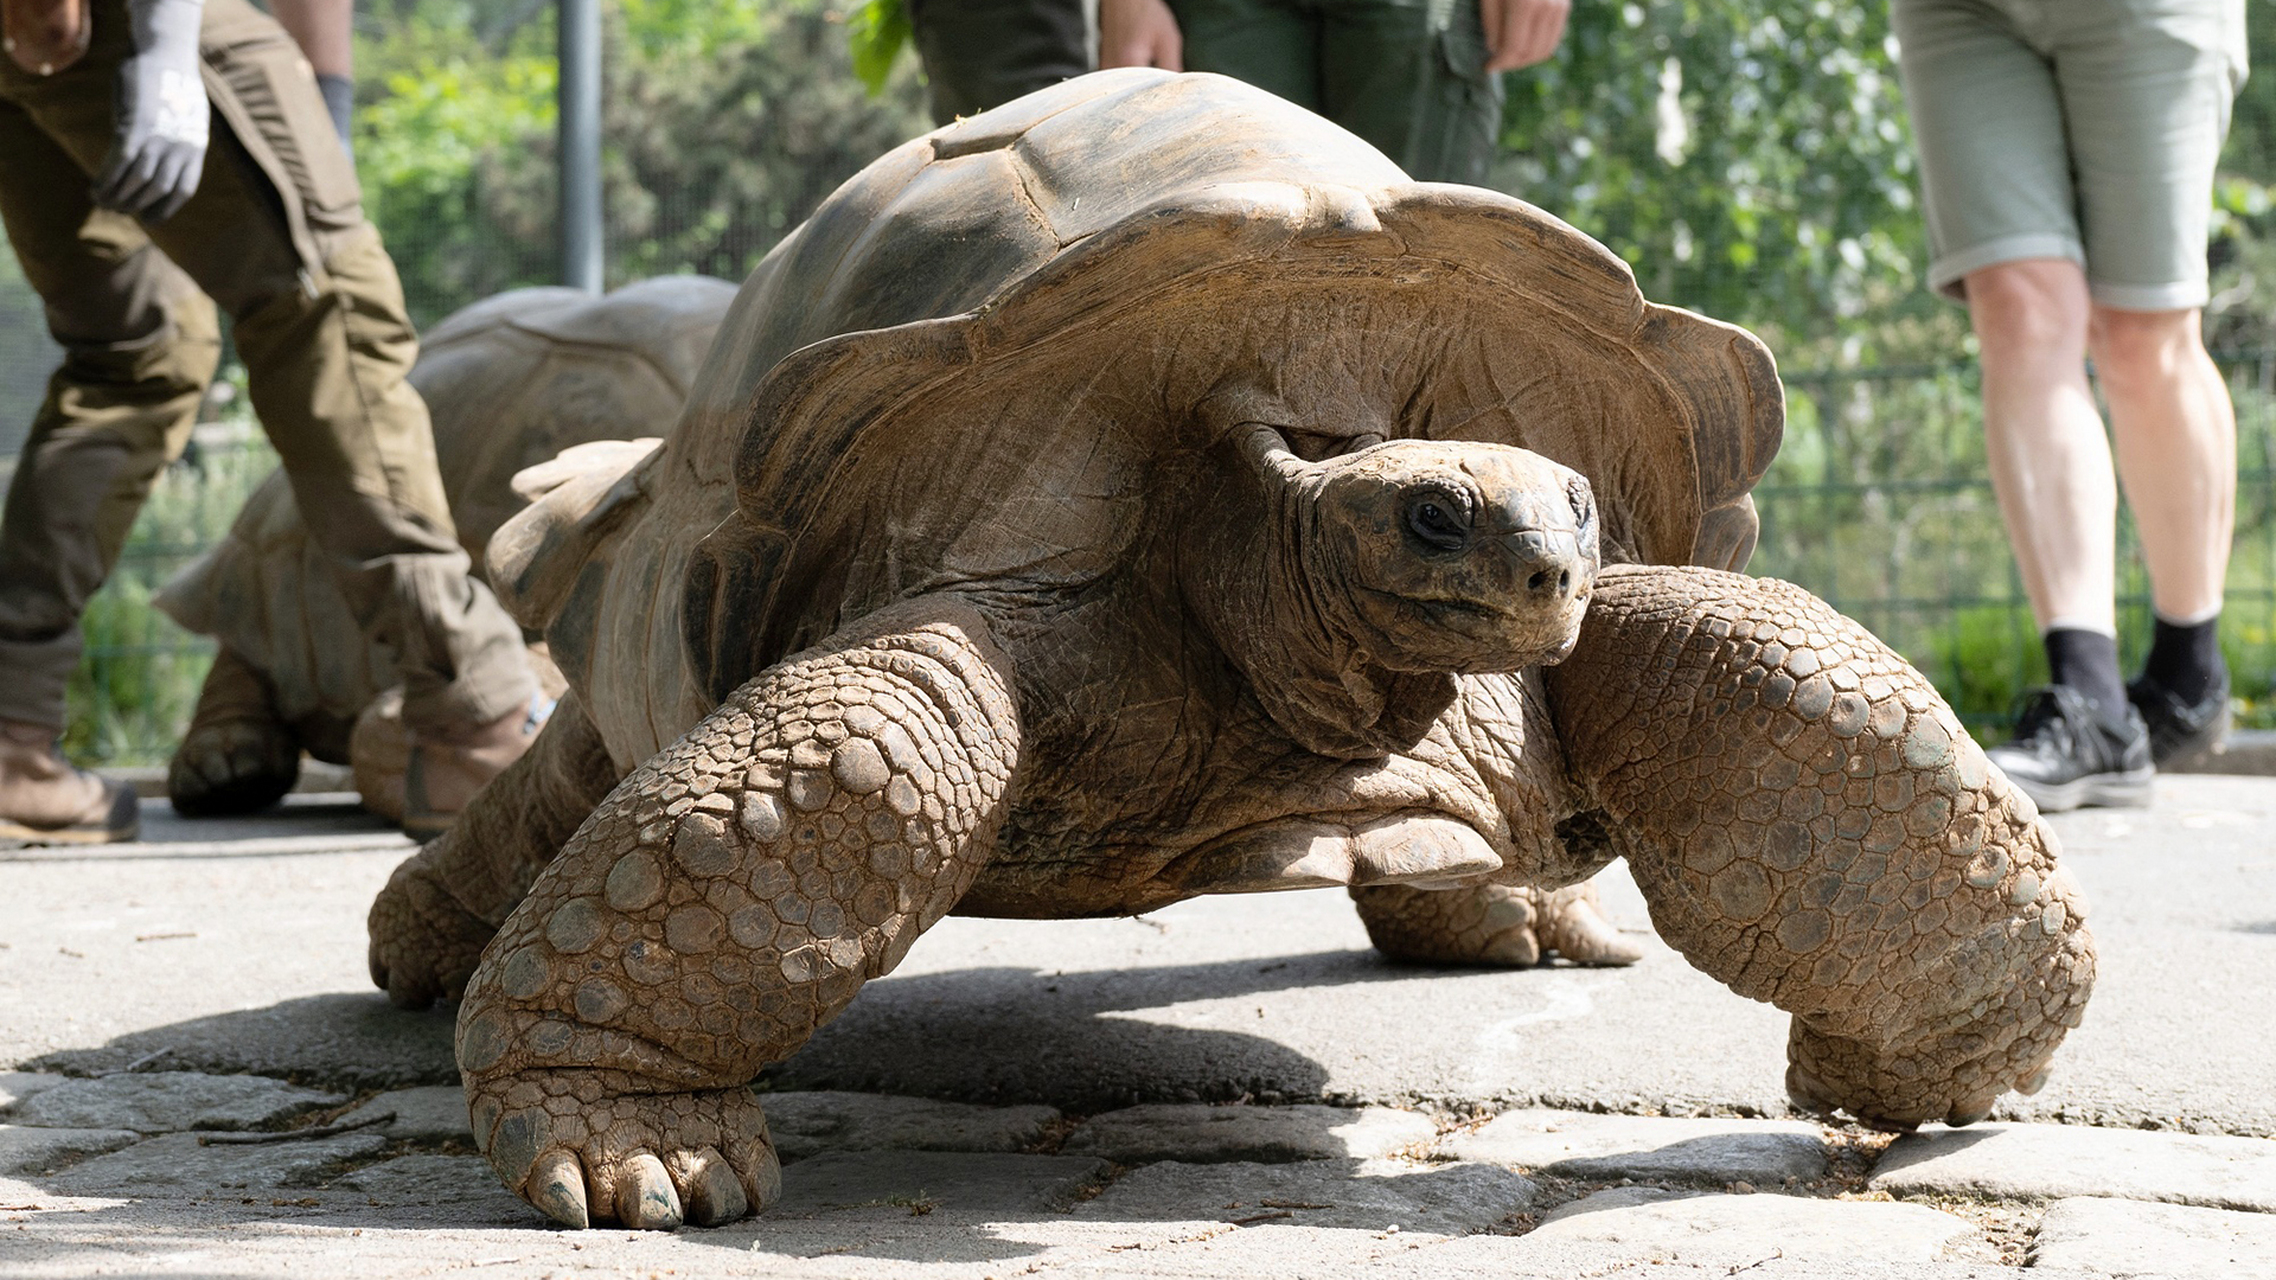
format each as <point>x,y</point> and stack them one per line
<point>1354,588</point>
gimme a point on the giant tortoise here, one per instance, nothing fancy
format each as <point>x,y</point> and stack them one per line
<point>509,381</point>
<point>1144,490</point>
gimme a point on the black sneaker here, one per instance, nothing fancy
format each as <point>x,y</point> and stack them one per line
<point>2063,756</point>
<point>2181,731</point>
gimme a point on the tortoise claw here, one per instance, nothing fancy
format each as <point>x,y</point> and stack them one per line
<point>557,1187</point>
<point>709,1189</point>
<point>645,1200</point>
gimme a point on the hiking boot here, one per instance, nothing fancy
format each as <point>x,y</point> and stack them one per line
<point>441,772</point>
<point>2064,756</point>
<point>45,800</point>
<point>2180,731</point>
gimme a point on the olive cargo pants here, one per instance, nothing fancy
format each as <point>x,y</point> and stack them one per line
<point>1407,75</point>
<point>984,53</point>
<point>276,235</point>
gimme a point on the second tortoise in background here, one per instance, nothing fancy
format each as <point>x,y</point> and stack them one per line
<point>510,382</point>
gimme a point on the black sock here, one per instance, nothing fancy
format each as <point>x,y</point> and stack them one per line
<point>2088,662</point>
<point>2186,659</point>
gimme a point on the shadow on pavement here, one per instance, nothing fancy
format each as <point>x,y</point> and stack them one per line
<point>975,1034</point>
<point>349,1041</point>
<point>1073,1040</point>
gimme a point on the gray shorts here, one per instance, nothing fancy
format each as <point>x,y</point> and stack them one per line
<point>2079,129</point>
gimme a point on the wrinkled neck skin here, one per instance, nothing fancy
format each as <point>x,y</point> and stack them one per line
<point>1263,574</point>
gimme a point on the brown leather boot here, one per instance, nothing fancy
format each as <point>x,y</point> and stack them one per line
<point>445,770</point>
<point>45,800</point>
<point>379,754</point>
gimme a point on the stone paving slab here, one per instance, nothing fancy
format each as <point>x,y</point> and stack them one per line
<point>466,1183</point>
<point>25,1149</point>
<point>72,1239</point>
<point>2141,1241</point>
<point>1198,1134</point>
<point>1375,1195</point>
<point>15,1086</point>
<point>1532,1256</point>
<point>176,1164</point>
<point>919,1183</point>
<point>429,1113</point>
<point>170,1102</point>
<point>805,1124</point>
<point>2047,1162</point>
<point>1580,1144</point>
<point>1650,1222</point>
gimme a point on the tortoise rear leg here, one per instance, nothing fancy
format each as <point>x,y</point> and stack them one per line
<point>444,903</point>
<point>1491,924</point>
<point>238,755</point>
<point>1811,825</point>
<point>728,898</point>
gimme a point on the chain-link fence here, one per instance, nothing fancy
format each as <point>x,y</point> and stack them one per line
<point>1692,136</point>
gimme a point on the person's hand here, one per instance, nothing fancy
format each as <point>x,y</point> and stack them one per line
<point>161,125</point>
<point>1139,33</point>
<point>44,36</point>
<point>1520,33</point>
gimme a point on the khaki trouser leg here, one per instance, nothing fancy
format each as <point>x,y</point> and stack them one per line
<point>984,53</point>
<point>140,344</point>
<point>276,235</point>
<point>1407,75</point>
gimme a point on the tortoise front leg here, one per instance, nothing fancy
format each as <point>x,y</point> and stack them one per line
<point>443,904</point>
<point>1811,825</point>
<point>728,898</point>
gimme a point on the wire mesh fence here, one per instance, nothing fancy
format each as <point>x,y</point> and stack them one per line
<point>1691,136</point>
<point>1878,502</point>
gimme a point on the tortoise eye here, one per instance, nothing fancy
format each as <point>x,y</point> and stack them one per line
<point>1436,521</point>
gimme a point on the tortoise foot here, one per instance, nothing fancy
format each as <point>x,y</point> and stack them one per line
<point>583,1150</point>
<point>424,942</point>
<point>236,767</point>
<point>237,756</point>
<point>1498,925</point>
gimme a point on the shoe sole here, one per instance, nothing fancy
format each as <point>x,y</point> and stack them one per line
<point>2104,790</point>
<point>15,835</point>
<point>2193,750</point>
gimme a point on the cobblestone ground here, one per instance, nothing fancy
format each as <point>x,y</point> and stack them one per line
<point>191,1082</point>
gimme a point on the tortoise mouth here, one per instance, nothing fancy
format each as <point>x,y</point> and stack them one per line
<point>1468,636</point>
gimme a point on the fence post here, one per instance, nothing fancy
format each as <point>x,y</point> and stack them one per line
<point>579,50</point>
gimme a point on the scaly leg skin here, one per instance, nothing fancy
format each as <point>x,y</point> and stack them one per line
<point>238,755</point>
<point>1491,924</point>
<point>724,901</point>
<point>444,903</point>
<point>1811,825</point>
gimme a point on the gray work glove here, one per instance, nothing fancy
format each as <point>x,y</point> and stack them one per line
<point>161,122</point>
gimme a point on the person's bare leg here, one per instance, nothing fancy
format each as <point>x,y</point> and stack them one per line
<point>2176,444</point>
<point>2050,463</point>
<point>2176,434</point>
<point>2077,742</point>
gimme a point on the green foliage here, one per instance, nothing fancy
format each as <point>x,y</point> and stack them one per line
<point>875,34</point>
<point>715,156</point>
<point>724,124</point>
<point>432,154</point>
<point>1751,163</point>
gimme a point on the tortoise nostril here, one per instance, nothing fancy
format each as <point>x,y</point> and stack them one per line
<point>1540,580</point>
<point>1564,581</point>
